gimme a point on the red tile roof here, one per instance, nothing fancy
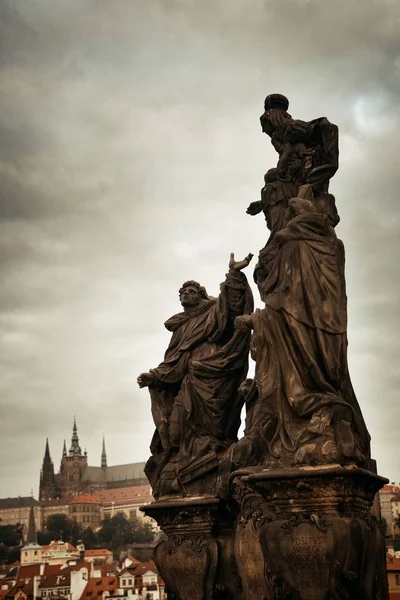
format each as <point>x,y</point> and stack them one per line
<point>26,588</point>
<point>107,568</point>
<point>143,567</point>
<point>28,571</point>
<point>394,489</point>
<point>53,545</point>
<point>51,572</point>
<point>392,563</point>
<point>9,586</point>
<point>60,580</point>
<point>141,493</point>
<point>97,585</point>
<point>98,552</point>
<point>85,499</point>
<point>79,565</point>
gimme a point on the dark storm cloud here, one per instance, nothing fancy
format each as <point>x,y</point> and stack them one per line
<point>129,149</point>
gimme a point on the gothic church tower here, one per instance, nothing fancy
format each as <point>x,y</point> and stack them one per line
<point>73,467</point>
<point>103,455</point>
<point>47,485</point>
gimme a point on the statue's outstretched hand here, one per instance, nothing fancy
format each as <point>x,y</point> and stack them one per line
<point>145,380</point>
<point>254,208</point>
<point>241,264</point>
<point>244,323</point>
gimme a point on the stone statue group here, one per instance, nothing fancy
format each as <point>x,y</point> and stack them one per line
<point>301,409</point>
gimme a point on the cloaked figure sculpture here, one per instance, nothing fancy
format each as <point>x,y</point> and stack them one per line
<point>308,154</point>
<point>194,391</point>
<point>292,515</point>
<point>306,412</point>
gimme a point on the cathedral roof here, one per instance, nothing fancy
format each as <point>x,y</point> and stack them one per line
<point>116,473</point>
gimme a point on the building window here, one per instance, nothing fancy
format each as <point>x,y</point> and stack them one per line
<point>130,582</point>
<point>397,578</point>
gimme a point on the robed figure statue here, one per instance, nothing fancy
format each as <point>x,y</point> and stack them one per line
<point>194,391</point>
<point>306,412</point>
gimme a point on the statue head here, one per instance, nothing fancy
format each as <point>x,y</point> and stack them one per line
<point>275,117</point>
<point>278,101</point>
<point>191,293</point>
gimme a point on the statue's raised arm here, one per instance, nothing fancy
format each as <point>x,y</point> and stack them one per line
<point>193,390</point>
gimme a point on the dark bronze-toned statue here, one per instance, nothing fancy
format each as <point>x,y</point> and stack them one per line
<point>195,404</point>
<point>308,154</point>
<point>306,411</point>
<point>287,511</point>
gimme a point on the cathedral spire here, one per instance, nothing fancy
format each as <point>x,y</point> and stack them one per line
<point>75,449</point>
<point>47,484</point>
<point>31,536</point>
<point>104,455</point>
<point>64,452</point>
<point>47,452</point>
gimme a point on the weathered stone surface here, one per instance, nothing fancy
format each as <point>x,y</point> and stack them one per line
<point>252,514</point>
<point>197,561</point>
<point>318,538</point>
<point>303,407</point>
<point>285,512</point>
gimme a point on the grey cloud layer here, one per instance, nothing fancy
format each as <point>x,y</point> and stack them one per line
<point>129,133</point>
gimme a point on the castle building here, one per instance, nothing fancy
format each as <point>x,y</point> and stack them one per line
<point>77,477</point>
<point>15,511</point>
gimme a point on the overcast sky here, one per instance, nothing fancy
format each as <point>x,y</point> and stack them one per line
<point>130,147</point>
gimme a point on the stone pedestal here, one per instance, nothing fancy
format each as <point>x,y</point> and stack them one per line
<point>308,534</point>
<point>197,560</point>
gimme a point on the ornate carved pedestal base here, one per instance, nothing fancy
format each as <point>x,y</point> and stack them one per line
<point>316,534</point>
<point>197,560</point>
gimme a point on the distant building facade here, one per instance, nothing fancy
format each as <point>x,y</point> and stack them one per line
<point>59,552</point>
<point>125,501</point>
<point>386,494</point>
<point>76,476</point>
<point>16,511</point>
<point>56,506</point>
<point>85,510</point>
<point>395,504</point>
<point>393,574</point>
